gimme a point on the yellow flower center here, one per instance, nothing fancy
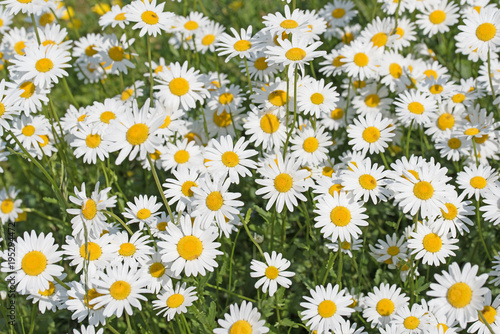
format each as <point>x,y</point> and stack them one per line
<point>346,245</point>
<point>317,98</point>
<point>368,182</point>
<point>126,94</point>
<point>162,226</point>
<point>94,251</point>
<point>150,17</point>
<point>481,139</point>
<point>283,182</point>
<point>190,247</point>
<point>338,13</point>
<point>214,200</point>
<point>116,53</point>
<point>29,89</point>
<point>327,171</point>
<point>458,98</point>
<point>157,269</point>
<point>46,18</point>
<point>416,108</point>
<point>34,263</point>
<point>226,98</point>
<point>28,130</point>
<point>437,16</point>
<point>393,250</point>
<point>436,89</point>
<point>445,121</point>
<point>335,188</point>
<point>395,70</point>
<point>7,206</point>
<point>385,307</point>
<point>310,145</point>
<point>143,213</point>
<point>179,86</point>
<point>120,290</point>
<point>272,272</point>
<point>372,100</point>
<point>327,309</point>
<point>361,59</point>
<point>432,243</point>
<point>261,63</point>
<point>337,114</point>
<point>19,47</point>
<point>230,159</point>
<point>379,39</point>
<point>208,39</point>
<point>443,326</point>
<point>336,61</point>
<point>486,31</point>
<point>459,295</point>
<point>471,132</point>
<point>175,300</point>
<point>137,134</point>
<point>295,54</point>
<point>127,249</point>
<point>93,141</point>
<point>89,210</point>
<point>371,134</point>
<point>120,17</point>
<point>191,25</point>
<point>278,98</point>
<point>451,213</point>
<point>423,190</point>
<point>242,45</point>
<point>411,322</point>
<point>454,143</point>
<point>223,120</point>
<point>289,24</point>
<point>478,182</point>
<point>181,156</point>
<point>107,116</point>
<point>340,216</point>
<point>186,188</point>
<point>92,293</point>
<point>49,292</point>
<point>489,314</point>
<point>241,327</point>
<point>400,31</point>
<point>269,123</point>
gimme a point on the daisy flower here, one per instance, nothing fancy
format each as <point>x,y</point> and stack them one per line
<point>382,304</point>
<point>134,133</point>
<point>437,17</point>
<point>10,207</point>
<point>184,153</point>
<point>148,17</point>
<point>259,68</point>
<point>310,147</point>
<point>115,54</point>
<point>190,248</point>
<point>90,143</point>
<point>132,249</point>
<point>90,211</point>
<point>458,293</point>
<point>290,23</point>
<point>175,300</point>
<point>116,16</point>
<point>88,330</point>
<point>236,45</point>
<point>213,202</point>
<point>414,320</point>
<point>158,272</point>
<point>272,273</point>
<point>371,100</point>
<point>414,106</point>
<point>266,127</point>
<point>316,98</point>
<point>180,86</point>
<point>51,299</point>
<point>391,251</point>
<point>340,217</point>
<point>332,65</point>
<point>432,247</point>
<point>371,133</point>
<point>241,319</point>
<point>345,327</point>
<point>143,211</point>
<point>326,307</point>
<point>208,37</point>
<point>35,262</point>
<point>454,216</point>
<point>453,146</point>
<point>491,207</point>
<point>225,158</point>
<point>476,181</point>
<point>361,60</point>
<point>283,183</point>
<point>226,98</point>
<point>178,189</point>
<point>495,272</point>
<point>490,313</point>
<point>339,12</point>
<point>366,181</point>
<point>29,131</point>
<point>121,287</point>
<point>346,247</point>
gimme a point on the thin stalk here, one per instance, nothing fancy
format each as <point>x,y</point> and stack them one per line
<point>489,76</point>
<point>129,327</point>
<point>231,259</point>
<point>185,323</point>
<point>277,312</point>
<point>36,29</point>
<point>408,140</point>
<point>148,42</point>
<point>341,264</point>
<point>486,323</point>
<point>250,236</point>
<point>479,229</point>
<point>384,159</point>
<point>119,220</point>
<point>160,189</point>
<point>475,151</point>
<point>248,76</point>
<point>33,318</point>
<point>232,293</point>
<point>329,266</point>
<point>65,83</point>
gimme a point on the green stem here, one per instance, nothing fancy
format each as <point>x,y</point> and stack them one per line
<point>232,293</point>
<point>250,236</point>
<point>479,229</point>
<point>384,159</point>
<point>118,220</point>
<point>65,83</point>
<point>129,327</point>
<point>329,266</point>
<point>185,323</point>
<point>341,264</point>
<point>475,151</point>
<point>61,283</point>
<point>486,323</point>
<point>33,316</point>
<point>408,140</point>
<point>489,76</point>
<point>160,189</point>
<point>148,42</point>
<point>248,76</point>
<point>36,29</point>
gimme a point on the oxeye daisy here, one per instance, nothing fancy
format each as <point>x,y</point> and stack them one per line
<point>414,320</point>
<point>90,211</point>
<point>382,304</point>
<point>148,17</point>
<point>372,100</point>
<point>143,211</point>
<point>226,99</point>
<point>310,146</point>
<point>190,248</point>
<point>241,319</point>
<point>346,247</point>
<point>361,60</point>
<point>272,273</point>
<point>290,23</point>
<point>182,154</point>
<point>213,202</point>
<point>175,300</point>
<point>89,142</point>
<point>326,307</point>
<point>29,131</point>
<point>35,262</point>
<point>371,133</point>
<point>446,118</point>
<point>26,7</point>
<point>121,287</point>
<point>476,181</point>
<point>31,96</point>
<point>179,189</point>
<point>432,247</point>
<point>379,32</point>
<point>414,106</point>
<point>208,37</point>
<point>114,52</point>
<point>391,251</point>
<point>283,183</point>
<point>225,158</point>
<point>454,216</point>
<point>158,272</point>
<point>339,12</point>
<point>453,146</point>
<point>10,206</point>
<point>438,17</point>
<point>116,16</point>
<point>259,68</point>
<point>134,133</point>
<point>50,299</point>
<point>240,44</point>
<point>345,327</point>
<point>332,65</point>
<point>458,293</point>
<point>366,181</point>
<point>132,249</point>
<point>491,207</point>
<point>274,96</point>
<point>340,217</point>
<point>180,86</point>
<point>316,98</point>
<point>490,313</point>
